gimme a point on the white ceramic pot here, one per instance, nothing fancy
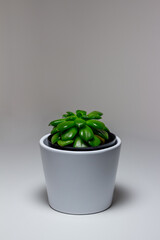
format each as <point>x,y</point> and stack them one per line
<point>80,182</point>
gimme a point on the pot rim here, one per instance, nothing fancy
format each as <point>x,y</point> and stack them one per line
<point>43,145</point>
<point>112,141</point>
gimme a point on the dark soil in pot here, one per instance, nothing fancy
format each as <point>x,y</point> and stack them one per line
<point>109,143</point>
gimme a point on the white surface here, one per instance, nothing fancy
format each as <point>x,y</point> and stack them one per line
<point>135,212</point>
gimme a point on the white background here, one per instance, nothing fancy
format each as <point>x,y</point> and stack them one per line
<point>63,55</point>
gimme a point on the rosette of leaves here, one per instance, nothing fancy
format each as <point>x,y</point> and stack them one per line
<point>79,130</point>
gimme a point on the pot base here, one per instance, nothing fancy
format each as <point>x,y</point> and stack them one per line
<point>73,213</point>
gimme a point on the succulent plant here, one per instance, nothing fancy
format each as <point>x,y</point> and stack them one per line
<point>79,130</point>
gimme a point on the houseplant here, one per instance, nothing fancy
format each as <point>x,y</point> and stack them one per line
<point>80,159</point>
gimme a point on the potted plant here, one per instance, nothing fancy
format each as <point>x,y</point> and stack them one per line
<point>80,159</point>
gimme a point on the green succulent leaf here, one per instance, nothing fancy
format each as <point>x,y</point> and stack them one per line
<point>55,138</point>
<point>65,115</point>
<point>106,129</point>
<point>85,117</point>
<point>78,142</point>
<point>94,116</point>
<point>101,139</point>
<point>54,130</point>
<point>95,113</point>
<point>80,113</point>
<point>70,113</point>
<point>102,133</point>
<point>94,142</point>
<point>86,133</point>
<point>79,122</point>
<point>65,125</point>
<point>69,134</point>
<point>70,118</point>
<point>56,122</point>
<point>95,124</point>
<point>64,143</point>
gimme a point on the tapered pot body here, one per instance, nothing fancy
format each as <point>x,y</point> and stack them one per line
<point>80,182</point>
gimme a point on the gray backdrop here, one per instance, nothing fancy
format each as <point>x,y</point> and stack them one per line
<point>63,55</point>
